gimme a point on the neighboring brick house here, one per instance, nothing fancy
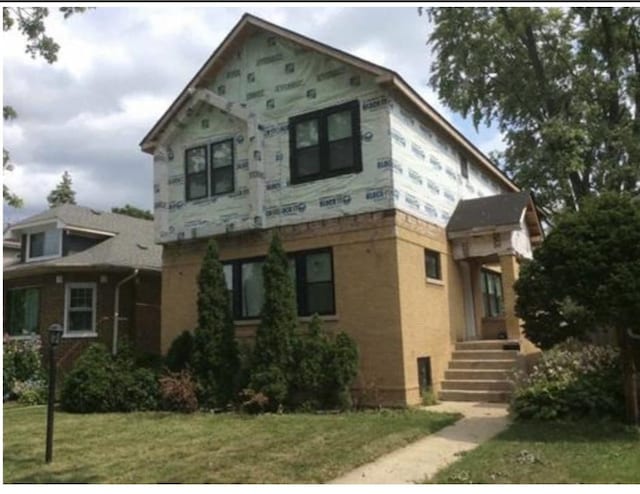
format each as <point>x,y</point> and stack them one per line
<point>73,263</point>
<point>361,178</point>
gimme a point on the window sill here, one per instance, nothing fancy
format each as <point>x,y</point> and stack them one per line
<point>255,322</point>
<point>434,281</point>
<point>79,335</point>
<point>24,337</point>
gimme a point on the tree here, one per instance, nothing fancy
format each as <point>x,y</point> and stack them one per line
<point>129,210</point>
<point>216,363</point>
<point>563,85</point>
<point>585,277</point>
<point>30,22</point>
<point>273,353</point>
<point>63,193</point>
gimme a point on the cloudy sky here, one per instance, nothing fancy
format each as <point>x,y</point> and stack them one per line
<point>119,69</point>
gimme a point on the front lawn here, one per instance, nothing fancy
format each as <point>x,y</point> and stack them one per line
<point>552,453</point>
<point>204,448</point>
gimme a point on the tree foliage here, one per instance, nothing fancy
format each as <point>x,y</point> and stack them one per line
<point>63,193</point>
<point>30,22</point>
<point>134,212</point>
<point>563,85</point>
<point>215,352</point>
<point>273,353</point>
<point>586,277</point>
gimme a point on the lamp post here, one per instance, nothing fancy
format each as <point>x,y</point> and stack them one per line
<point>55,336</point>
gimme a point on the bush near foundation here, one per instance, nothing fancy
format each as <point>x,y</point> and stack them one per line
<point>180,354</point>
<point>572,380</point>
<point>178,392</point>
<point>100,382</point>
<point>22,370</point>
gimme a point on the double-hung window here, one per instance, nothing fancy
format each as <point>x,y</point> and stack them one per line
<point>311,273</point>
<point>22,312</point>
<point>209,170</point>
<point>80,309</point>
<point>492,293</point>
<point>44,245</point>
<point>325,143</point>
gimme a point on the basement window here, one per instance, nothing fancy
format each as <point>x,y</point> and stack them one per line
<point>325,143</point>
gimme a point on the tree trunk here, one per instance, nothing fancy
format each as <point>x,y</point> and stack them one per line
<point>630,379</point>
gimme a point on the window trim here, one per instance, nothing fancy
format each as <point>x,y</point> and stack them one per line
<point>484,274</point>
<point>94,309</point>
<point>35,335</point>
<point>298,257</point>
<point>323,142</point>
<point>210,169</point>
<point>30,258</point>
<point>439,278</point>
<point>187,195</point>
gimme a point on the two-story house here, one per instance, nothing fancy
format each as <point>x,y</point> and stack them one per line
<point>96,273</point>
<point>401,232</point>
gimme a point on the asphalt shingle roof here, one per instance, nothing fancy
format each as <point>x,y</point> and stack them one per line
<point>132,244</point>
<point>483,212</point>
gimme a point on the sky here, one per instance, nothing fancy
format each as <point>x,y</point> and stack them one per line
<point>119,68</point>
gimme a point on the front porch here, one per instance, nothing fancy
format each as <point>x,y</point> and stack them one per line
<point>490,236</point>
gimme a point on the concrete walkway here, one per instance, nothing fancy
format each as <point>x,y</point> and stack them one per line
<point>423,458</point>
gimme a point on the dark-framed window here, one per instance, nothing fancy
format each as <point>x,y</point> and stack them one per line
<point>22,312</point>
<point>432,264</point>
<point>424,374</point>
<point>492,293</point>
<point>311,272</point>
<point>222,179</point>
<point>464,167</point>
<point>195,163</point>
<point>325,143</point>
<point>209,170</point>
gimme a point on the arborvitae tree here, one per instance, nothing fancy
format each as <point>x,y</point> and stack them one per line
<point>215,352</point>
<point>63,193</point>
<point>273,356</point>
<point>310,352</point>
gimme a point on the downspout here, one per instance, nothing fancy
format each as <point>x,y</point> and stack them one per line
<point>116,310</point>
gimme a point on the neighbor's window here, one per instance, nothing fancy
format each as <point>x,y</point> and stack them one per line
<point>432,264</point>
<point>80,309</point>
<point>22,312</point>
<point>222,167</point>
<point>44,244</point>
<point>325,143</point>
<point>492,293</point>
<point>196,173</point>
<point>310,271</point>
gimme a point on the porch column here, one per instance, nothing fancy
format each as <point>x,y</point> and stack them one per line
<point>510,270</point>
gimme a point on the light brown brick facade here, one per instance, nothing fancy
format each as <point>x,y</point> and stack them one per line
<point>383,299</point>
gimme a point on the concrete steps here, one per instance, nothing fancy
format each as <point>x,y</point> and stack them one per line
<point>479,371</point>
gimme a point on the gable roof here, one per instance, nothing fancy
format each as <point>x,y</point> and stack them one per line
<point>498,212</point>
<point>130,243</point>
<point>386,77</point>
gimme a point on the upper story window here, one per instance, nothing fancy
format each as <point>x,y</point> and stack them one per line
<point>464,167</point>
<point>325,143</point>
<point>209,170</point>
<point>44,245</point>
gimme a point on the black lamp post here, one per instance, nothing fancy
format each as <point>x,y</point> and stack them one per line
<point>55,336</point>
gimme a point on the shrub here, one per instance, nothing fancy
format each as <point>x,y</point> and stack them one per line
<point>571,380</point>
<point>272,366</point>
<point>180,352</point>
<point>101,383</point>
<point>31,392</point>
<point>323,369</point>
<point>178,392</point>
<point>22,362</point>
<point>215,351</point>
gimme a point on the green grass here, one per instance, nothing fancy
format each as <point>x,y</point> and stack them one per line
<point>552,453</point>
<point>204,448</point>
